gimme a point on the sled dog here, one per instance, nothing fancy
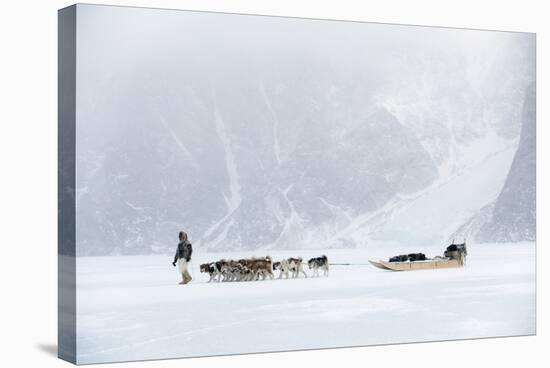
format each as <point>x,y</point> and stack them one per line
<point>212,269</point>
<point>318,263</point>
<point>282,267</point>
<point>285,266</point>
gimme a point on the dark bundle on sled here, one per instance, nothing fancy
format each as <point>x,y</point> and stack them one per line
<point>408,257</point>
<point>417,257</point>
<point>399,258</point>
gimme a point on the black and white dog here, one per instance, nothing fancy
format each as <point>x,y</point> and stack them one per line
<point>282,267</point>
<point>318,263</point>
<point>212,269</point>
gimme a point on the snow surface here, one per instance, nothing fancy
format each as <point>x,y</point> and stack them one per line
<point>131,307</point>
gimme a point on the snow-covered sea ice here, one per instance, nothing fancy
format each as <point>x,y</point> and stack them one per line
<point>132,307</point>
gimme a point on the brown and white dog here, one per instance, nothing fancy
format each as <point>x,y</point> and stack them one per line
<point>228,268</point>
<point>261,267</point>
<point>296,267</point>
<point>285,266</point>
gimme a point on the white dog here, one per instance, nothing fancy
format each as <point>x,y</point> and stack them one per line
<point>295,265</point>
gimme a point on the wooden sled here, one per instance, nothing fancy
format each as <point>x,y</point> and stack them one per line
<point>430,264</point>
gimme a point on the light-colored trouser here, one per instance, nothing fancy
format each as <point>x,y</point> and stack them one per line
<point>182,266</point>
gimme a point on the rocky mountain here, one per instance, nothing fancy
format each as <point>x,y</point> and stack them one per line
<point>256,133</point>
<point>512,216</point>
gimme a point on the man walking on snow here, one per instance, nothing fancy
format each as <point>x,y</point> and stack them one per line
<point>183,256</point>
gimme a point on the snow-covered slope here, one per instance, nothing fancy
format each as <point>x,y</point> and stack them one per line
<point>342,134</point>
<point>430,215</point>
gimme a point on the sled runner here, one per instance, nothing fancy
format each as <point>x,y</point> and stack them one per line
<point>417,265</point>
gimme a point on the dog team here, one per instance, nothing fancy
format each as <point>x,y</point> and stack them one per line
<point>246,269</point>
<point>251,269</point>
